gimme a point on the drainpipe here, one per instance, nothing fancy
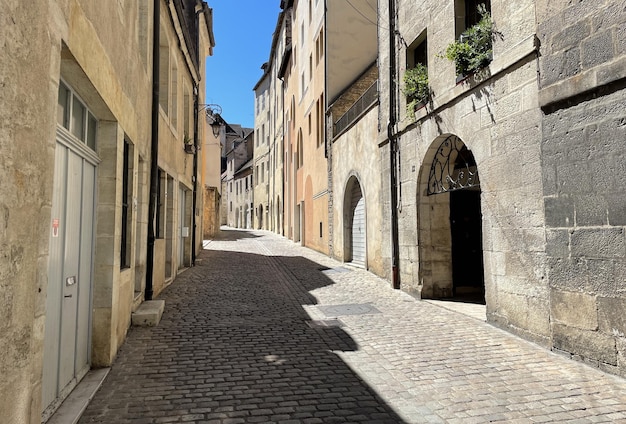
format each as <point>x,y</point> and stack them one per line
<point>154,153</point>
<point>194,178</point>
<point>393,147</point>
<point>196,121</point>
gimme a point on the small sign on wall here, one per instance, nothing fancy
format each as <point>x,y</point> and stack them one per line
<point>55,227</point>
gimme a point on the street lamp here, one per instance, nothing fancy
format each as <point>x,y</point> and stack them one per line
<point>214,111</point>
<point>216,126</point>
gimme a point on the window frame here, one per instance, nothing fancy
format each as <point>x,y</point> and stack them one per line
<point>89,129</point>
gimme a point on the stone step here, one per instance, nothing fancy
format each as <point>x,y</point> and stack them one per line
<point>149,313</point>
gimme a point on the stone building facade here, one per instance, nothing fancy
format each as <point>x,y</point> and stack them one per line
<point>537,131</point>
<point>503,186</point>
<point>77,142</point>
<point>486,241</point>
<point>305,164</point>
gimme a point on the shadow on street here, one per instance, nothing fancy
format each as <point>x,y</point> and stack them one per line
<point>236,345</point>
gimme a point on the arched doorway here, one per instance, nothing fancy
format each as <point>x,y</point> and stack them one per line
<point>450,223</point>
<point>354,228</point>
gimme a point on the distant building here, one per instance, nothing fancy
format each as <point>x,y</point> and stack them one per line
<point>270,131</point>
<point>237,181</point>
<point>262,162</point>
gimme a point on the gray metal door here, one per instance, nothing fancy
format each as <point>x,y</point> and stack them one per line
<point>358,226</point>
<point>181,228</point>
<point>68,302</point>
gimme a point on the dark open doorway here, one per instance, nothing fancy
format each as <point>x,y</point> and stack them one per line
<point>467,246</point>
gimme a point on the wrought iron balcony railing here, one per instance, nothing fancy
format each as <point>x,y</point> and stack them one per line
<point>356,110</point>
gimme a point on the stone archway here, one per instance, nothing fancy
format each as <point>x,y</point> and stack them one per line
<point>450,223</point>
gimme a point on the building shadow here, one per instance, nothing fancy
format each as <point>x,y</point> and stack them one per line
<point>233,234</point>
<point>235,343</point>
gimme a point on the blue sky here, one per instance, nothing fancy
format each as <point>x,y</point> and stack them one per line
<point>243,32</point>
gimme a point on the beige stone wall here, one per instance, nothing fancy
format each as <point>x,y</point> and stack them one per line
<point>360,145</point>
<point>27,125</point>
<point>211,222</point>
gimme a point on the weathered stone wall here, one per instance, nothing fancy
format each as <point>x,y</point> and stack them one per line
<point>26,169</point>
<point>582,78</point>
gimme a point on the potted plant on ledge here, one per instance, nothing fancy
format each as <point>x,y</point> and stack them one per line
<point>188,143</point>
<point>474,48</point>
<point>416,88</point>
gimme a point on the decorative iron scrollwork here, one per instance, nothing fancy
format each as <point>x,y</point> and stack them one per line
<point>453,168</point>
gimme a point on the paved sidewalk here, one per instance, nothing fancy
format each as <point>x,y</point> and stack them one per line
<point>263,330</point>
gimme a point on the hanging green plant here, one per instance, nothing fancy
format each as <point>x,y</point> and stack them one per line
<point>474,48</point>
<point>416,87</point>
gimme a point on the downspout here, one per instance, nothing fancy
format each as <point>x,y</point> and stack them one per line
<point>196,122</point>
<point>154,151</point>
<point>281,229</point>
<point>328,143</point>
<point>194,178</point>
<point>393,147</point>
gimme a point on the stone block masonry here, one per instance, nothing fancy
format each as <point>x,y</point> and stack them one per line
<point>583,162</point>
<point>586,238</point>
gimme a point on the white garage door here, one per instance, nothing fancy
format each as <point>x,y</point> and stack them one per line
<point>358,226</point>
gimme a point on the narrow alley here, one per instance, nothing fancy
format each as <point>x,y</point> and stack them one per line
<point>263,330</point>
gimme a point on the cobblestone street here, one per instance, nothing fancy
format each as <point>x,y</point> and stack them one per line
<point>263,330</point>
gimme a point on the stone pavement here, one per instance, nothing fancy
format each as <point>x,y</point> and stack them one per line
<point>263,330</point>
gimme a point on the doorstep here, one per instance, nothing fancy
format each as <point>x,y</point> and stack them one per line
<point>73,407</point>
